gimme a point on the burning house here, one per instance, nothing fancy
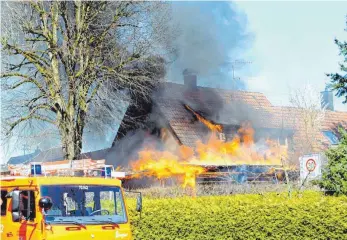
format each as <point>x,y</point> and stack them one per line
<point>213,134</point>
<point>193,132</point>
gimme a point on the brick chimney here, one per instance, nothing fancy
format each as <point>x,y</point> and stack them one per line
<point>327,100</point>
<point>190,78</point>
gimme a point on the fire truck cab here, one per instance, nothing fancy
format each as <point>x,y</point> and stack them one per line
<point>44,208</point>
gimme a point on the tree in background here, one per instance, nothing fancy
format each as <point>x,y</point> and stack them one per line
<point>307,114</point>
<point>334,177</point>
<point>72,63</point>
<point>339,80</point>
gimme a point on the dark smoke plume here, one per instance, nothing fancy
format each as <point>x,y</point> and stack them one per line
<point>211,34</point>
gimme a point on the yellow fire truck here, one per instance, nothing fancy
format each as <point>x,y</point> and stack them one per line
<point>58,207</point>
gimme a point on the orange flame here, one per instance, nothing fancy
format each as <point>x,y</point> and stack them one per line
<point>209,124</point>
<point>189,162</point>
<point>165,164</point>
<point>247,132</point>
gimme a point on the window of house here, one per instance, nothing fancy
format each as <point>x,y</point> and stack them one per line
<point>27,204</point>
<point>3,202</point>
<point>221,137</point>
<point>333,139</point>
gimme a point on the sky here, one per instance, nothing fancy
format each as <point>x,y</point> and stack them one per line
<point>293,45</point>
<point>286,44</point>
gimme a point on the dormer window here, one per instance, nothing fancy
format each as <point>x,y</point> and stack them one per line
<point>331,136</point>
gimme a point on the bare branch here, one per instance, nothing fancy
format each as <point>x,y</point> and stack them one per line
<point>87,59</point>
<point>39,62</point>
<point>309,112</point>
<point>27,79</point>
<point>31,115</point>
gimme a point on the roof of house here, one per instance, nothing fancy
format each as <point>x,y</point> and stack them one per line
<point>23,158</point>
<point>49,155</point>
<point>294,118</point>
<point>230,107</point>
<point>57,154</point>
<point>180,120</point>
<point>95,155</point>
<point>222,106</point>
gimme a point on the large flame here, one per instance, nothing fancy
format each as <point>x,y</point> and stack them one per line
<point>164,165</point>
<point>212,126</point>
<point>189,162</point>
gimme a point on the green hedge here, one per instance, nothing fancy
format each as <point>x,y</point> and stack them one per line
<point>268,216</point>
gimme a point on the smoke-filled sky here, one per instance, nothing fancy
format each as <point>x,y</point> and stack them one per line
<point>211,36</point>
<point>294,45</point>
<point>285,45</point>
<point>289,44</point>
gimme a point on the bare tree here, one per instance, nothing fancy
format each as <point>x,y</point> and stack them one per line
<point>74,64</point>
<point>307,115</point>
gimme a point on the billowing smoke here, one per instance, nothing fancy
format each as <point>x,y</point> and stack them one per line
<point>127,148</point>
<point>211,35</point>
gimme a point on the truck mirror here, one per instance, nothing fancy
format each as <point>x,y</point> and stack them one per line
<point>15,197</point>
<point>45,203</point>
<point>139,203</point>
<point>15,200</point>
<point>16,216</point>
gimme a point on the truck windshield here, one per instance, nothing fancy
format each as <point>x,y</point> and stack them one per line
<point>84,204</point>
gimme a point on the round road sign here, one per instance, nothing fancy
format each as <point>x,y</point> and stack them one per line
<point>311,165</point>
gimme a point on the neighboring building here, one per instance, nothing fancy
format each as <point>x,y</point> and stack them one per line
<point>171,118</point>
<point>4,170</point>
<point>325,135</point>
<point>49,155</point>
<point>23,158</point>
<point>53,155</point>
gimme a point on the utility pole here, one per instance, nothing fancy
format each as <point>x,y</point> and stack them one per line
<point>25,147</point>
<point>233,65</point>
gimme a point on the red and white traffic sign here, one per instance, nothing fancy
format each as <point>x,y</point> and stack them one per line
<point>311,165</point>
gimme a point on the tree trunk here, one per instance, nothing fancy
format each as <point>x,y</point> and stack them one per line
<point>71,136</point>
<point>80,123</point>
<point>67,133</point>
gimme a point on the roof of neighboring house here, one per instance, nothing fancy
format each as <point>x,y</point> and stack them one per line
<point>334,117</point>
<point>23,158</point>
<point>4,169</point>
<point>57,154</point>
<point>49,155</point>
<point>290,117</point>
<point>95,155</point>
